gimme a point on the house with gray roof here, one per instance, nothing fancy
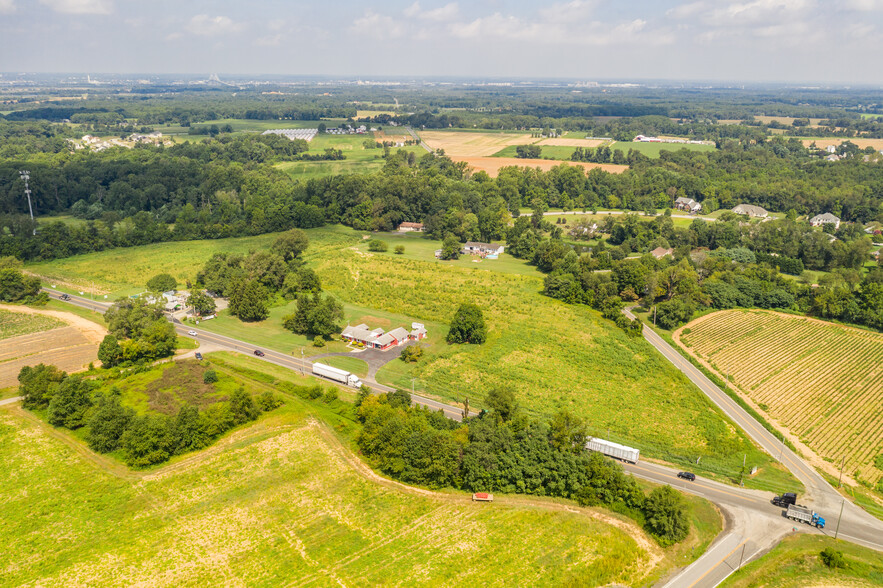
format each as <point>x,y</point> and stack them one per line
<point>751,210</point>
<point>825,219</point>
<point>688,204</point>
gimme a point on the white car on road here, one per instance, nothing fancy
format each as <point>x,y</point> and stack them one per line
<point>191,333</point>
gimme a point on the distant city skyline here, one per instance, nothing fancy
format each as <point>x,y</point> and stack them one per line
<point>796,41</point>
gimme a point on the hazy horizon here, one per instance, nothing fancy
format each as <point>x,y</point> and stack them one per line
<point>752,41</point>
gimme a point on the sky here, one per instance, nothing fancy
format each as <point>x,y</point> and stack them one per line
<point>792,41</point>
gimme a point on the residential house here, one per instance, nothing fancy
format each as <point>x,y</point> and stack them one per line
<point>661,252</point>
<point>688,204</point>
<point>482,249</point>
<point>825,219</point>
<point>411,227</point>
<point>376,338</point>
<point>751,210</point>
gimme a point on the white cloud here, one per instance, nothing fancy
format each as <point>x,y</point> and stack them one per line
<point>864,5</point>
<point>7,6</point>
<point>568,12</point>
<point>441,14</point>
<point>209,26</point>
<point>372,22</point>
<point>80,6</point>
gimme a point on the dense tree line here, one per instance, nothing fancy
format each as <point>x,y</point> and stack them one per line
<point>16,286</point>
<point>726,264</point>
<point>505,451</point>
<point>72,402</point>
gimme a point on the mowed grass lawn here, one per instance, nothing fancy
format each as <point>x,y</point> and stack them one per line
<point>281,502</point>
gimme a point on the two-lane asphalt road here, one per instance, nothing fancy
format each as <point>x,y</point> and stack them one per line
<point>293,363</point>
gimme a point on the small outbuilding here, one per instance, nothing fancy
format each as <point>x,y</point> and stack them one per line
<point>411,228</point>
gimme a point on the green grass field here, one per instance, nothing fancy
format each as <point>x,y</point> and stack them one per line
<point>350,364</point>
<point>284,501</point>
<point>13,324</point>
<point>555,355</point>
<point>795,563</point>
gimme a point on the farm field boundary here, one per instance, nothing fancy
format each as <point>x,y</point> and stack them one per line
<point>820,383</point>
<point>492,165</point>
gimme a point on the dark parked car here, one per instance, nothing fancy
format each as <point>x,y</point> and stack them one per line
<point>65,297</point>
<point>258,352</point>
<point>687,476</point>
<point>198,356</point>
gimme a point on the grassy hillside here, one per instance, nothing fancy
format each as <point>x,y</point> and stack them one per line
<point>283,501</point>
<point>795,563</point>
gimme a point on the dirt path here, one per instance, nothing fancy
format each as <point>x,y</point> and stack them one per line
<point>93,331</point>
<point>804,450</point>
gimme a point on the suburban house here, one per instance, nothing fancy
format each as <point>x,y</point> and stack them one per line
<point>688,204</point>
<point>825,219</point>
<point>751,210</point>
<point>411,227</point>
<point>377,339</point>
<point>661,252</point>
<point>482,249</point>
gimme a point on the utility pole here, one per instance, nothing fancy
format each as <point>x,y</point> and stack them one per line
<point>742,557</point>
<point>742,475</point>
<point>302,364</point>
<point>654,316</point>
<point>26,175</point>
<point>843,501</point>
<point>412,385</point>
<point>840,481</point>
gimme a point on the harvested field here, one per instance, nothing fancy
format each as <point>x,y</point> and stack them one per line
<point>823,142</point>
<point>71,348</point>
<point>786,120</point>
<point>492,165</point>
<point>467,144</point>
<point>562,142</point>
<point>821,381</point>
<point>393,137</point>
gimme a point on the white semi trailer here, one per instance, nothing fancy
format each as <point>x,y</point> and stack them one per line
<point>612,449</point>
<point>338,375</point>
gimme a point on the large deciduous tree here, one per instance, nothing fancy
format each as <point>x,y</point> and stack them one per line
<point>467,325</point>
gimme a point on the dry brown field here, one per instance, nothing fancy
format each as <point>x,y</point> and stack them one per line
<point>492,165</point>
<point>70,348</point>
<point>563,142</point>
<point>467,144</point>
<point>786,120</point>
<point>862,143</point>
<point>393,136</point>
<point>820,382</point>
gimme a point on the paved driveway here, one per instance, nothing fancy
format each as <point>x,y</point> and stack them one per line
<point>375,358</point>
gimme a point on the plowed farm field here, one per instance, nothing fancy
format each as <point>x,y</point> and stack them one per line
<point>66,341</point>
<point>493,165</point>
<point>469,144</point>
<point>821,381</point>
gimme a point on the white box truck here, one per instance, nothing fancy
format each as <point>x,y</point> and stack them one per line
<point>612,449</point>
<point>338,375</point>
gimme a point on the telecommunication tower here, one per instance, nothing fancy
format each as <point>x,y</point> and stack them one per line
<point>26,175</point>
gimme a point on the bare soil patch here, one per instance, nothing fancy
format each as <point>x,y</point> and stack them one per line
<point>473,144</point>
<point>492,165</point>
<point>94,332</point>
<point>562,142</point>
<point>862,143</point>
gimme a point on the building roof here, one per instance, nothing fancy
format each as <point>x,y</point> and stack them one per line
<point>399,333</point>
<point>384,340</point>
<point>480,245</point>
<point>418,331</point>
<point>684,200</point>
<point>411,225</point>
<point>359,332</point>
<point>750,210</point>
<point>661,252</point>
<point>826,217</point>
